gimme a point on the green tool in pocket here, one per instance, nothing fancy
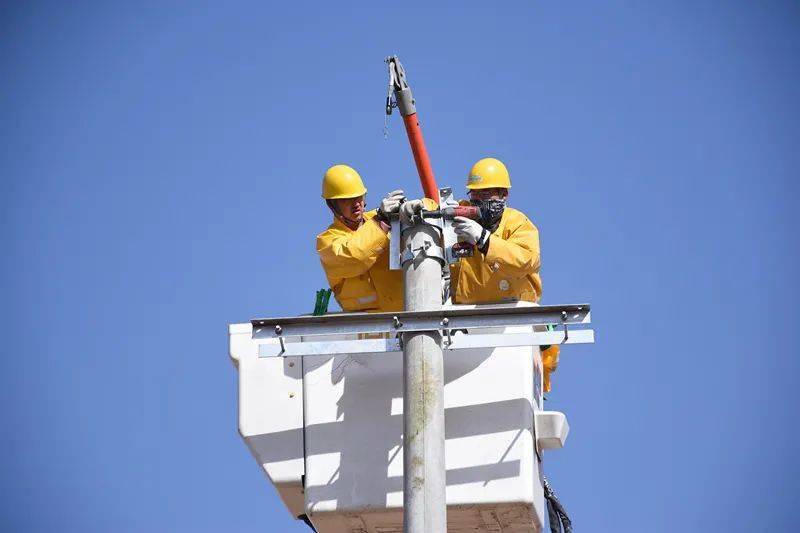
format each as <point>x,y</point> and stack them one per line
<point>321,306</point>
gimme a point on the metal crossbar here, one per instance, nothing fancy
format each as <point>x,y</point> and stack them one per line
<point>458,341</point>
<point>407,321</point>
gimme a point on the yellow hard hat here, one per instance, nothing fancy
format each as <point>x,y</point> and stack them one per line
<point>488,173</point>
<point>341,181</point>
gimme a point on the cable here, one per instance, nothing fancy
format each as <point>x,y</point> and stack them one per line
<point>304,517</point>
<point>556,513</point>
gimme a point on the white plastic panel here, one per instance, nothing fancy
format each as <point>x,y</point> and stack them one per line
<point>271,414</point>
<point>354,434</point>
<point>552,429</point>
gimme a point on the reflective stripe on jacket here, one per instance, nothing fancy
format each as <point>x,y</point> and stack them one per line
<point>510,269</point>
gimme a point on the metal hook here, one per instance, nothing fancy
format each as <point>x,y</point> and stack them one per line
<point>445,322</point>
<point>278,332</point>
<point>566,327</point>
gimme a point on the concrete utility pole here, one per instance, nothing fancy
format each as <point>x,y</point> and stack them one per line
<point>424,485</point>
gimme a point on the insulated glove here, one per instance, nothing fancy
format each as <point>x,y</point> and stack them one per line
<point>390,204</point>
<point>470,231</point>
<point>409,209</point>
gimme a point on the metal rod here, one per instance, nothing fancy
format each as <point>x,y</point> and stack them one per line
<point>425,508</point>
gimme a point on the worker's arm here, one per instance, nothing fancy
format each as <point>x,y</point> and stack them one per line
<point>519,253</point>
<point>352,254</point>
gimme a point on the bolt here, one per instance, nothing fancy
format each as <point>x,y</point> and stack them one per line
<point>396,322</point>
<point>445,321</point>
<point>291,363</point>
<point>278,330</point>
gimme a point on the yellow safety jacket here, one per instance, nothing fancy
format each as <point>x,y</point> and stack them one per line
<point>508,272</point>
<point>356,263</point>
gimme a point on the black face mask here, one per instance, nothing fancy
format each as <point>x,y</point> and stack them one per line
<point>491,212</point>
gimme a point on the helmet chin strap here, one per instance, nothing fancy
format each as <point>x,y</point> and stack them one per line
<point>352,224</point>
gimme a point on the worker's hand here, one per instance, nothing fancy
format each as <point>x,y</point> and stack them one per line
<point>391,203</point>
<point>409,209</point>
<point>469,231</point>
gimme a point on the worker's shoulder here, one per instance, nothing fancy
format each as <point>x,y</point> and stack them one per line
<point>334,230</point>
<point>337,228</point>
<point>515,212</point>
<point>517,216</point>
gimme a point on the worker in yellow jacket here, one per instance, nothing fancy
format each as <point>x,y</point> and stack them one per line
<point>505,266</point>
<point>354,250</point>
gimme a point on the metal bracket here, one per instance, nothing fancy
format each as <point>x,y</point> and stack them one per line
<point>428,250</point>
<point>470,318</point>
<point>310,335</point>
<point>398,257</point>
<point>394,244</point>
<point>453,343</point>
<point>449,238</point>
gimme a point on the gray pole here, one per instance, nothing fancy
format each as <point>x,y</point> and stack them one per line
<point>425,509</point>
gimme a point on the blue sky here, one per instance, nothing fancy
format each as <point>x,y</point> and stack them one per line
<point>160,179</point>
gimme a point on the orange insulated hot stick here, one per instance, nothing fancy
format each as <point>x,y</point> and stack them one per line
<point>400,96</point>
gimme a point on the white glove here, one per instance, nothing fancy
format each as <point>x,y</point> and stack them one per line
<point>469,231</point>
<point>409,209</point>
<point>391,204</point>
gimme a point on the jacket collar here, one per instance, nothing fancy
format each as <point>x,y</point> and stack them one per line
<point>338,224</point>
